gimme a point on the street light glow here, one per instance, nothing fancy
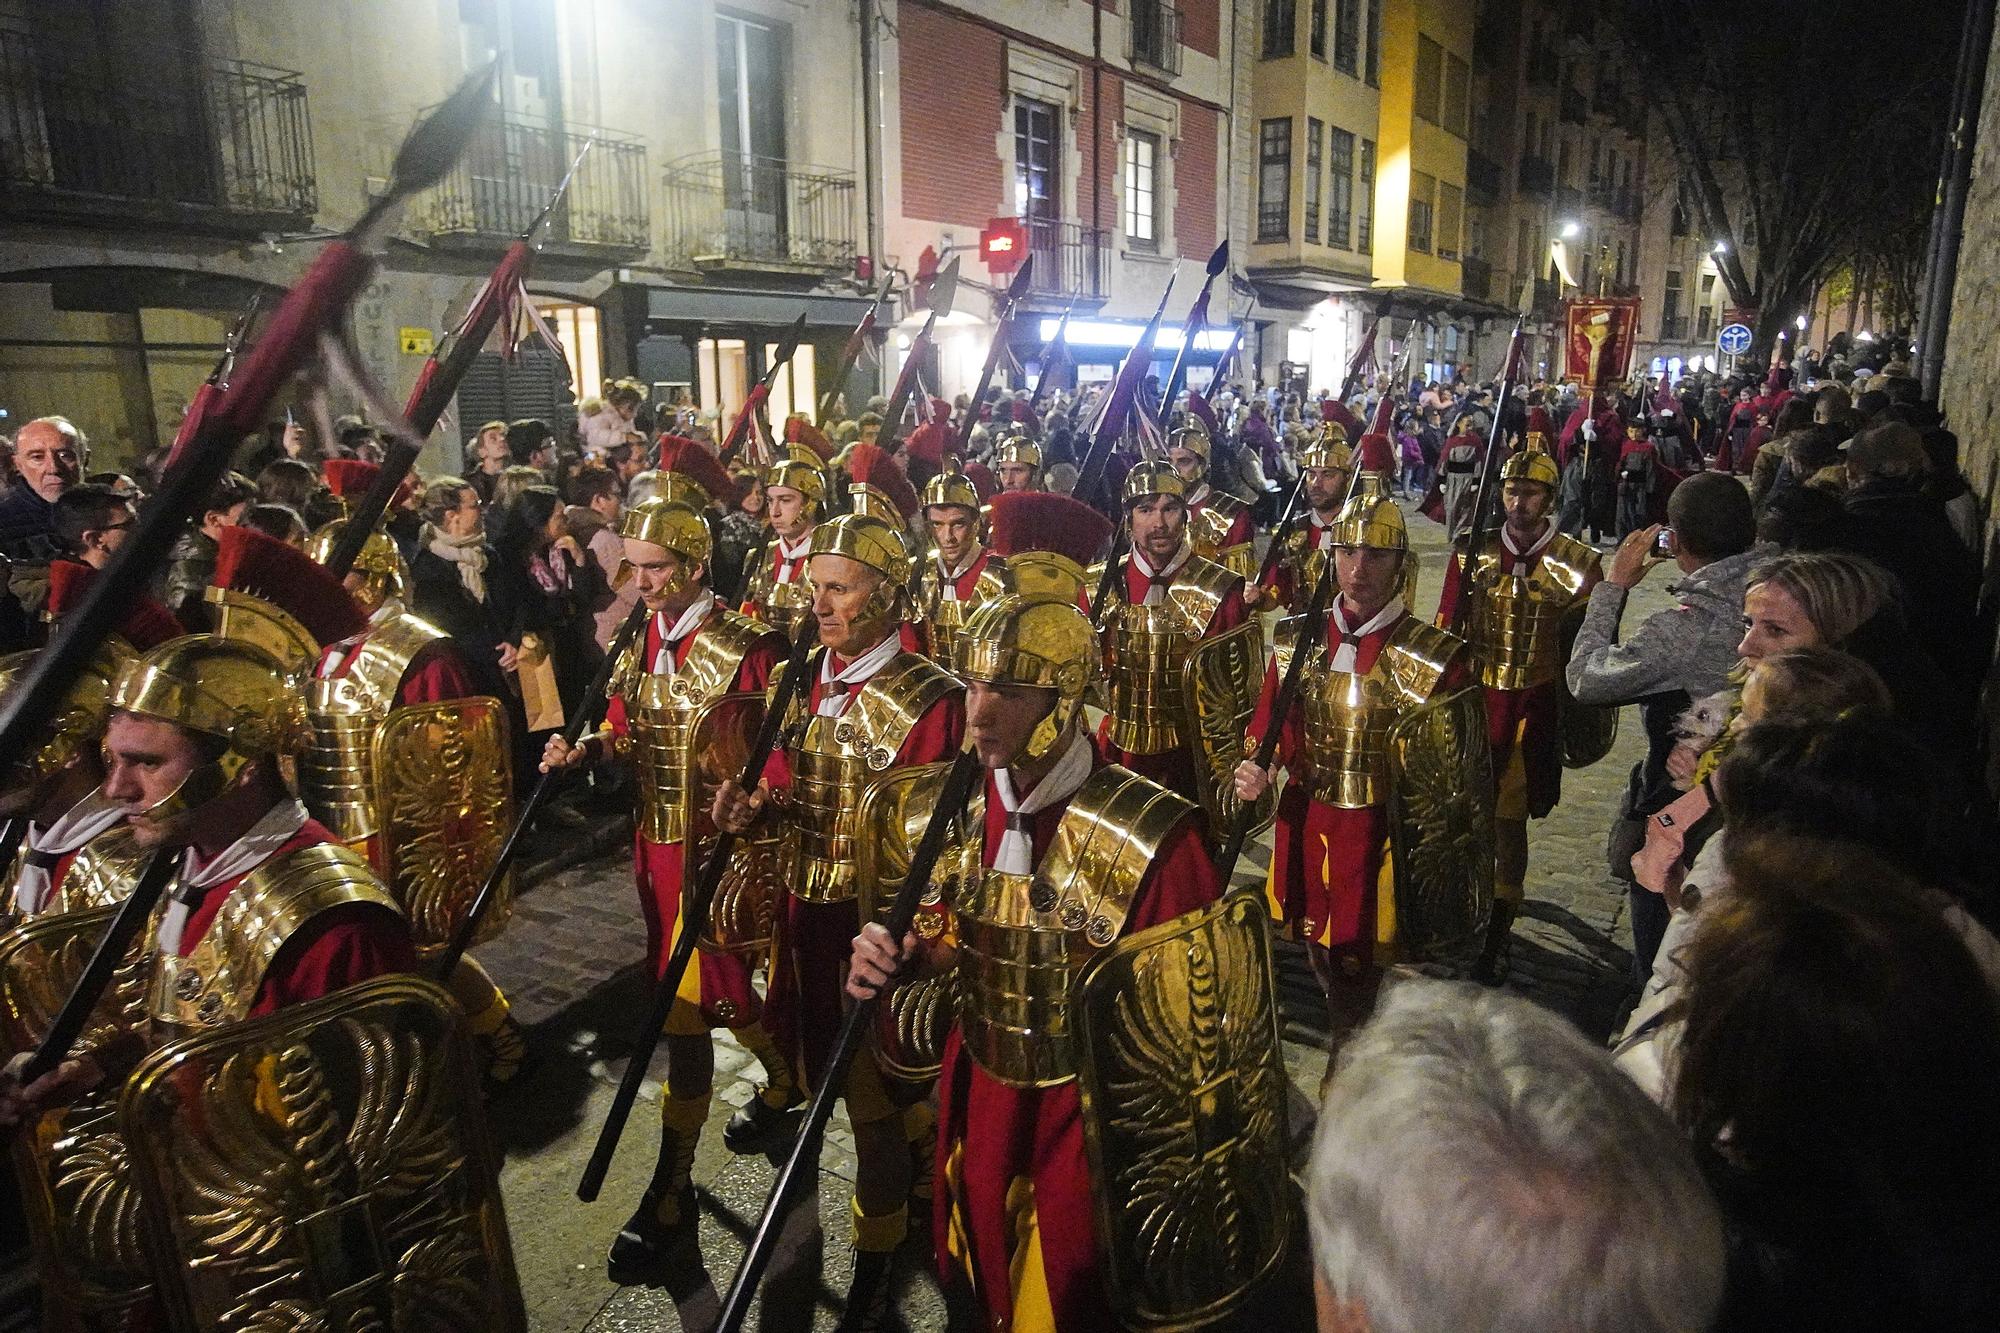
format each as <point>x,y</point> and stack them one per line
<point>1570,231</point>
<point>1721,248</point>
<point>1801,322</point>
<point>1106,333</point>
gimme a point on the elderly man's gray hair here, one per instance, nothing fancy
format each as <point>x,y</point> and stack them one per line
<point>1480,1166</point>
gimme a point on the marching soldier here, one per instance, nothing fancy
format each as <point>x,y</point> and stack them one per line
<point>873,704</point>
<point>795,498</point>
<point>1325,466</point>
<point>948,590</point>
<point>1526,579</point>
<point>1374,667</point>
<point>671,698</point>
<point>1063,871</point>
<point>1162,601</point>
<point>1017,464</point>
<point>1219,523</point>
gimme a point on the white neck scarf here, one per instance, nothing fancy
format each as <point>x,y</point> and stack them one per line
<point>837,689</point>
<point>277,827</point>
<point>467,554</point>
<point>948,578</point>
<point>1158,591</point>
<point>1322,538</point>
<point>94,814</point>
<point>1343,656</point>
<point>1522,557</point>
<point>1016,853</point>
<point>670,637</point>
<point>1198,496</point>
<point>788,557</point>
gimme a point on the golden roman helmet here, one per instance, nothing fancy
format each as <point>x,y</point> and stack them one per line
<point>1153,477</point>
<point>380,564</point>
<point>79,719</point>
<point>1192,437</point>
<point>225,689</point>
<point>1040,640</point>
<point>1533,463</point>
<point>1371,522</point>
<point>800,471</point>
<point>868,539</point>
<point>951,488</point>
<point>672,524</point>
<point>1329,448</point>
<point>1018,449</point>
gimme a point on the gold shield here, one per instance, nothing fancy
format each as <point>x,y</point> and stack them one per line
<point>1587,731</point>
<point>745,909</point>
<point>1441,828</point>
<point>325,1167</point>
<point>1220,682</point>
<point>74,1174</point>
<point>915,1015</point>
<point>1184,1113</point>
<point>444,802</point>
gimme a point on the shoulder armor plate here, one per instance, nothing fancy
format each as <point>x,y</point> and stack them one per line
<point>1417,656</point>
<point>387,651</point>
<point>1571,563</point>
<point>891,703</point>
<point>1200,589</point>
<point>1104,845</point>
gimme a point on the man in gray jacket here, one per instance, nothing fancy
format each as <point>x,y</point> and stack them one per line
<point>1670,659</point>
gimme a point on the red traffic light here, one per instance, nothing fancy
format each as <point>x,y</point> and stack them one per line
<point>1003,244</point>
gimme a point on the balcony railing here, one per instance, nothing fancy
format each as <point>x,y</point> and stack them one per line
<point>1673,328</point>
<point>1476,278</point>
<point>1482,177</point>
<point>512,168</point>
<point>1538,175</point>
<point>1155,33</point>
<point>206,144</point>
<point>1070,258</point>
<point>732,209</point>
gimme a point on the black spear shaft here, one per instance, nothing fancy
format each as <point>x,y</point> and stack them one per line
<point>75,1013</point>
<point>804,1157</point>
<point>1482,494</point>
<point>1177,376</point>
<point>850,355</point>
<point>1009,303</point>
<point>1050,353</point>
<point>588,710</point>
<point>694,911</point>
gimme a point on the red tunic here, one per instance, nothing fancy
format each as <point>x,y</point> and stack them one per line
<point>718,984</point>
<point>1173,769</point>
<point>805,996</point>
<point>339,947</point>
<point>992,1136</point>
<point>1326,861</point>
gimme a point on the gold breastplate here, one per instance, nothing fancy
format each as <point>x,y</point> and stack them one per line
<point>1348,714</point>
<point>101,875</point>
<point>832,761</point>
<point>946,615</point>
<point>219,979</point>
<point>1023,939</point>
<point>1515,621</point>
<point>779,605</point>
<point>337,773</point>
<point>661,709</point>
<point>1145,648</point>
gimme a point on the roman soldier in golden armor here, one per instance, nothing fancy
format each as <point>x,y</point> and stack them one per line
<point>1325,466</point>
<point>872,704</point>
<point>949,588</point>
<point>1088,1176</point>
<point>1017,464</point>
<point>1219,524</point>
<point>685,698</point>
<point>64,846</point>
<point>1162,601</point>
<point>795,500</point>
<point>1527,579</point>
<point>1379,728</point>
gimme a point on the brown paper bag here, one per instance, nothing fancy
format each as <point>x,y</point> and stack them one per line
<point>540,699</point>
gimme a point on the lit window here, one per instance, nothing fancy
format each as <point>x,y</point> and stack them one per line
<point>1142,207</point>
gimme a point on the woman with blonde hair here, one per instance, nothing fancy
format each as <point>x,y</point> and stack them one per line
<point>1811,599</point>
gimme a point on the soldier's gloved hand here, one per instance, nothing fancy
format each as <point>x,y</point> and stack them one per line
<point>559,753</point>
<point>1251,781</point>
<point>876,960</point>
<point>735,809</point>
<point>62,1084</point>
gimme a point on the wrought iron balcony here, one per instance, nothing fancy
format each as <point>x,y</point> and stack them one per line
<point>206,145</point>
<point>1155,32</point>
<point>1070,259</point>
<point>512,168</point>
<point>731,210</point>
<point>1538,175</point>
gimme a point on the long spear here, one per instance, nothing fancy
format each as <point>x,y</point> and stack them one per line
<point>850,355</point>
<point>1197,321</point>
<point>440,377</point>
<point>1008,305</point>
<point>1482,495</point>
<point>944,294</point>
<point>1050,353</point>
<point>694,911</point>
<point>204,398</point>
<point>854,1025</point>
<point>314,305</point>
<point>753,403</point>
<point>1118,406</point>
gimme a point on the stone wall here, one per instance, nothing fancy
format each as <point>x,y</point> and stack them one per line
<point>1970,394</point>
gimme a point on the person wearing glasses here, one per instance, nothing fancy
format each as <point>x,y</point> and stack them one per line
<point>91,521</point>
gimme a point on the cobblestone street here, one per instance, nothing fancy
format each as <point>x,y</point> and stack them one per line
<point>568,963</point>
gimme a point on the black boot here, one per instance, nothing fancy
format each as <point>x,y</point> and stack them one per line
<point>1496,959</point>
<point>667,1212</point>
<point>755,1125</point>
<point>868,1305</point>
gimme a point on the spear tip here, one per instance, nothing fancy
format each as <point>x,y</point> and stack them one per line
<point>1219,261</point>
<point>431,149</point>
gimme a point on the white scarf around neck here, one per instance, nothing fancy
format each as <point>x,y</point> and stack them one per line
<point>94,814</point>
<point>854,675</point>
<point>1016,853</point>
<point>258,844</point>
<point>1158,592</point>
<point>467,554</point>
<point>670,636</point>
<point>1344,656</point>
